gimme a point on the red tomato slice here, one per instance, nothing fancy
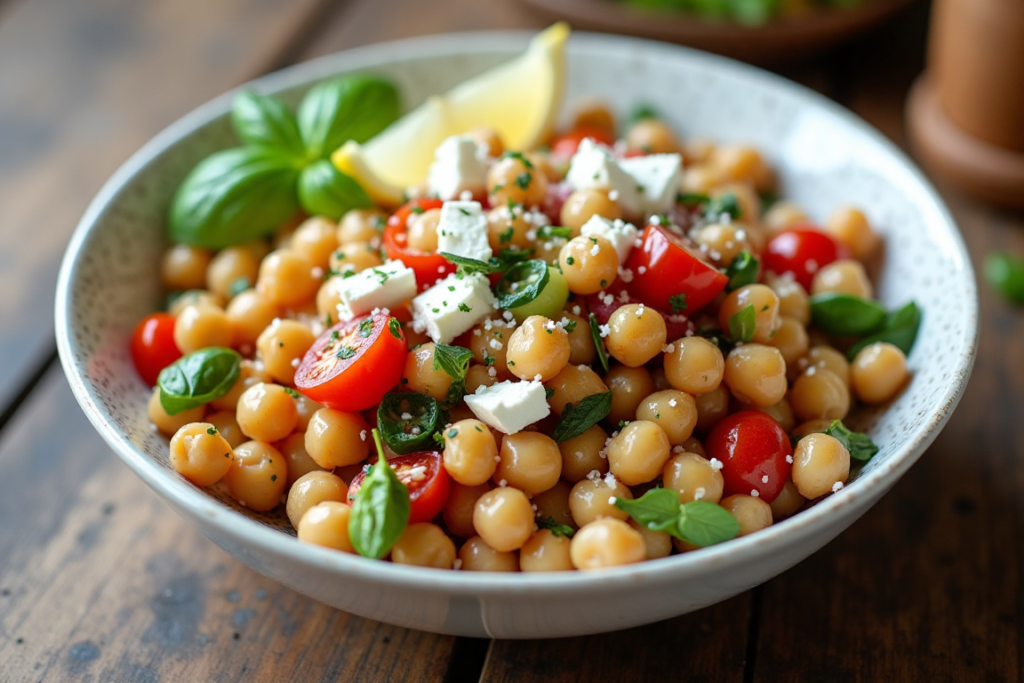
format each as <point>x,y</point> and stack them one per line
<point>353,364</point>
<point>429,268</point>
<point>664,266</point>
<point>422,473</point>
<point>755,452</point>
<point>802,251</point>
<point>153,347</point>
<point>566,145</point>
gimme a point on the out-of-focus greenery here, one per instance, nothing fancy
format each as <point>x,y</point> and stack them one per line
<point>750,12</point>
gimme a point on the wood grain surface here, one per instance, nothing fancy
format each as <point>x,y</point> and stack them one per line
<point>100,582</point>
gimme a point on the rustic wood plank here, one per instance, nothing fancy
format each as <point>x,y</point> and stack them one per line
<point>101,582</point>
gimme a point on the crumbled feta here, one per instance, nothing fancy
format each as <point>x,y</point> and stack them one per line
<point>462,231</point>
<point>716,464</point>
<point>509,406</point>
<point>460,165</point>
<point>657,175</point>
<point>453,306</point>
<point>836,487</point>
<point>594,167</point>
<point>386,286</point>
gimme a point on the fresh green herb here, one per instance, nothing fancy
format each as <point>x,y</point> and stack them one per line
<point>548,393</point>
<point>692,199</point>
<point>1005,272</point>
<point>518,155</point>
<point>846,315</point>
<point>900,330</point>
<point>643,111</point>
<point>343,109</point>
<point>438,439</point>
<point>265,121</point>
<point>595,335</point>
<point>238,286</point>
<point>198,378</point>
<point>860,445</point>
<point>743,324</point>
<point>417,209</point>
<point>326,191</point>
<point>548,231</point>
<point>380,511</point>
<point>529,278</point>
<point>345,352</point>
<point>570,327</point>
<point>463,211</point>
<point>464,308</point>
<point>698,522</point>
<point>454,360</point>
<point>211,431</point>
<point>505,236</point>
<point>495,264</point>
<point>677,302</point>
<point>742,271</point>
<point>291,392</point>
<point>407,421</point>
<point>395,327</point>
<point>569,260</point>
<point>489,360</point>
<point>578,418</point>
<point>556,529</point>
<point>524,179</point>
<point>726,203</point>
<point>366,328</point>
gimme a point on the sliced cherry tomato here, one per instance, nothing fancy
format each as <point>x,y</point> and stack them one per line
<point>665,267</point>
<point>353,364</point>
<point>429,268</point>
<point>427,480</point>
<point>802,251</point>
<point>755,453</point>
<point>565,145</point>
<point>153,347</point>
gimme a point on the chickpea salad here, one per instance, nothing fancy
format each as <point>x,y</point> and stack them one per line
<point>609,347</point>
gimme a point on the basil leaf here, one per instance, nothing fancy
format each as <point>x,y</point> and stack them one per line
<point>454,360</point>
<point>845,315</point>
<point>860,445</point>
<point>198,378</point>
<point>407,421</point>
<point>522,283</point>
<point>380,511</point>
<point>547,232</point>
<point>556,529</point>
<point>1005,272</point>
<point>595,336</point>
<point>692,199</point>
<point>742,324</point>
<point>343,109</point>
<point>742,271</point>
<point>900,329</point>
<point>703,523</point>
<point>472,265</point>
<point>326,191</point>
<point>678,302</point>
<point>234,196</point>
<point>657,510</point>
<point>641,112</point>
<point>727,203</point>
<point>264,121</point>
<point>578,418</point>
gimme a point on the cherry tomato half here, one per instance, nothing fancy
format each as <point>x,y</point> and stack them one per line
<point>802,251</point>
<point>153,347</point>
<point>353,364</point>
<point>676,324</point>
<point>565,145</point>
<point>429,268</point>
<point>665,267</point>
<point>422,473</point>
<point>755,453</point>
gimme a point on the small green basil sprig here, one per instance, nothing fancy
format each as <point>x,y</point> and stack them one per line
<point>240,194</point>
<point>698,522</point>
<point>578,418</point>
<point>380,511</point>
<point>845,315</point>
<point>198,378</point>
<point>454,360</point>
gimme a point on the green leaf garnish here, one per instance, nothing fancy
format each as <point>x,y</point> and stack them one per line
<point>900,329</point>
<point>198,378</point>
<point>677,302</point>
<point>726,203</point>
<point>846,315</point>
<point>578,418</point>
<point>407,421</point>
<point>860,445</point>
<point>522,283</point>
<point>556,529</point>
<point>595,335</point>
<point>326,191</point>
<point>1005,272</point>
<point>742,271</point>
<point>265,121</point>
<point>698,522</point>
<point>454,360</point>
<point>743,324</point>
<point>380,511</point>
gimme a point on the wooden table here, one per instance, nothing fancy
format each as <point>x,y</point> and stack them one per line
<point>99,581</point>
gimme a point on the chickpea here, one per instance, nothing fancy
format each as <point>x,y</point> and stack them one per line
<point>791,340</point>
<point>361,225</point>
<point>657,543</point>
<point>424,545</point>
<point>582,205</point>
<point>232,269</point>
<point>281,347</point>
<point>581,343</point>
<point>287,278</point>
<point>547,249</point>
<point>200,454</point>
<point>712,407</point>
<point>479,376</point>
<point>693,445</point>
<point>249,314</point>
<point>169,424</point>
<point>326,524</point>
<point>878,372</point>
<point>747,199</point>
<point>756,374</point>
<point>421,376</point>
<point>421,230</point>
<point>297,458</point>
<point>248,375</point>
<point>788,502</point>
<point>336,439</point>
<point>637,334</point>
<point>701,178</point>
<point>606,543</point>
<point>510,227</point>
<point>781,412</point>
<point>258,476</point>
<point>530,461</point>
<point>811,427</point>
<point>694,365</point>
<point>201,325</point>
<point>697,150</point>
<point>513,179</point>
<point>741,162</point>
<point>572,385</point>
<point>489,343</point>
<point>766,310</point>
<point>752,513</point>
<point>545,552</point>
<point>477,556</point>
<point>490,139</point>
<point>793,300</point>
<point>593,114</point>
<point>783,215</point>
<point>629,387</point>
<point>184,267</point>
<point>851,227</point>
<point>660,380</point>
<point>827,358</point>
<point>845,276</point>
<point>821,464</point>
<point>693,478</point>
<point>674,411</point>
<point>723,242</point>
<point>226,425</point>
<point>592,499</point>
<point>316,238</point>
<point>312,489</point>
<point>653,136</point>
<point>589,264</point>
<point>266,412</point>
<point>553,504</point>
<point>470,456</point>
<point>196,297</point>
<point>305,407</point>
<point>458,509</point>
<point>503,517</point>
<point>581,454</point>
<point>355,257</point>
<point>820,394</point>
<point>538,349</point>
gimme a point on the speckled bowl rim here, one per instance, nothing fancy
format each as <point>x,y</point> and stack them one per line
<point>788,533</point>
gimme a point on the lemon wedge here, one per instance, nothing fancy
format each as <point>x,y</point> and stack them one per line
<point>519,99</point>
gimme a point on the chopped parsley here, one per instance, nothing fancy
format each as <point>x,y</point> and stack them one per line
<point>677,302</point>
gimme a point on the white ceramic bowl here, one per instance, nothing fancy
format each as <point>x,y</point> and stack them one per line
<point>825,157</point>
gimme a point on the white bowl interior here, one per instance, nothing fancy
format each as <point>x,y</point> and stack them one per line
<point>825,157</point>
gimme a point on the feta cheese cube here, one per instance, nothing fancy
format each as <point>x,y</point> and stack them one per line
<point>509,407</point>
<point>462,231</point>
<point>460,165</point>
<point>594,167</point>
<point>658,177</point>
<point>385,286</point>
<point>452,306</point>
<point>622,235</point>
